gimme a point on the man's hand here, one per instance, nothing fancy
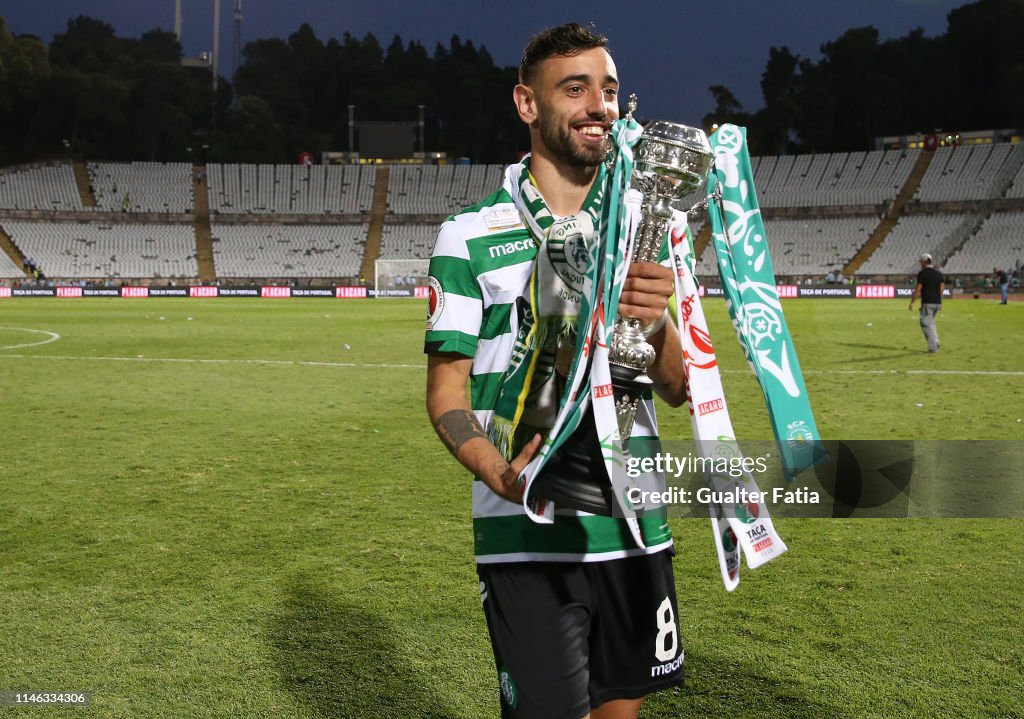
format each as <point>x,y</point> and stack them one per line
<point>646,291</point>
<point>505,480</point>
<point>645,295</point>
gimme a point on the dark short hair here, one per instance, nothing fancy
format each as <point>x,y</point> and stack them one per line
<point>562,41</point>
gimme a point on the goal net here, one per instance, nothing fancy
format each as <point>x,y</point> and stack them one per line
<point>401,278</point>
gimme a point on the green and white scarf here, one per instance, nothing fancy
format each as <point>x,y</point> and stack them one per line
<point>558,278</point>
<point>562,273</point>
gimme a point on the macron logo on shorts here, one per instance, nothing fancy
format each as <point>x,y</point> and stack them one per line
<point>668,668</point>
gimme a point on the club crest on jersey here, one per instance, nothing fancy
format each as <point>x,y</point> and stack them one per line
<point>568,252</point>
<point>436,302</point>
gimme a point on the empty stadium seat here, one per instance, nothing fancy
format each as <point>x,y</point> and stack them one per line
<point>802,247</point>
<point>50,188</point>
<point>912,236</point>
<point>299,251</point>
<point>998,243</point>
<point>440,189</point>
<point>91,250</point>
<point>142,186</point>
<point>291,189</point>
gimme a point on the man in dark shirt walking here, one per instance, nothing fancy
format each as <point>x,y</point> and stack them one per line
<point>1003,280</point>
<point>930,286</point>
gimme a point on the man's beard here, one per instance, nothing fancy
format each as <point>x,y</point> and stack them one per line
<point>560,141</point>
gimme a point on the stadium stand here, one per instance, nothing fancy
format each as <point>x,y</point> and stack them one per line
<point>999,243</point>
<point>142,186</point>
<point>1016,189</point>
<point>92,250</point>
<point>288,251</point>
<point>290,189</point>
<point>824,180</point>
<point>9,270</point>
<point>966,172</point>
<point>408,241</point>
<point>871,213</point>
<point>912,236</point>
<point>440,189</point>
<point>808,247</point>
<point>50,188</point>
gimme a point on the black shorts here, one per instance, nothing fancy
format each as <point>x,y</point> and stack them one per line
<point>568,637</point>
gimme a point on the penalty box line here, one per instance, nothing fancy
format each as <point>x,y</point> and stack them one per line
<point>385,365</point>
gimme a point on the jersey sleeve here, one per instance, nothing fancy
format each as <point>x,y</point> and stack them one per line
<point>456,302</point>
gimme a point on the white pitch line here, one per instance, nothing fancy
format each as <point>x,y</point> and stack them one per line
<point>381,365</point>
<point>968,372</point>
<point>839,371</point>
<point>304,363</point>
<point>53,337</point>
<point>1010,373</point>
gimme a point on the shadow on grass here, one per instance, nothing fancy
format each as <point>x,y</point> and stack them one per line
<point>863,345</point>
<point>893,351</point>
<point>342,661</point>
<point>717,687</point>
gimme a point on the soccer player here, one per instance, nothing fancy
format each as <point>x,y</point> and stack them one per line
<point>583,621</point>
<point>930,286</point>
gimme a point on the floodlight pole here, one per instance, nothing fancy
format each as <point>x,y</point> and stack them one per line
<point>236,53</point>
<point>423,143</point>
<point>351,131</point>
<point>216,43</point>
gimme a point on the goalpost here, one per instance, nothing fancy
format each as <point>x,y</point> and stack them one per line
<point>400,278</point>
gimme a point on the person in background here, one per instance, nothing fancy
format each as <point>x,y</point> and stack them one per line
<point>930,286</point>
<point>1003,280</point>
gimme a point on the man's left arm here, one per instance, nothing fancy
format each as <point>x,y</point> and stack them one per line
<point>917,293</point>
<point>645,295</point>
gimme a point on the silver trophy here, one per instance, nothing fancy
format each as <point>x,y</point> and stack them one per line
<point>671,161</point>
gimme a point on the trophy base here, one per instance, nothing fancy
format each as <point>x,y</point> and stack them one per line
<point>628,383</point>
<point>629,380</point>
<point>575,476</point>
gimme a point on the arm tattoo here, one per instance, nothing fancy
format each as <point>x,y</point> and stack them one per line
<point>456,427</point>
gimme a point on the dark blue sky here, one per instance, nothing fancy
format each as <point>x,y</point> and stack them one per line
<point>667,52</point>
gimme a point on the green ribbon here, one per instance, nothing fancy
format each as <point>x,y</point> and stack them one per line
<point>745,268</point>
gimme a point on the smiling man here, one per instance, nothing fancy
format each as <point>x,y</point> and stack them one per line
<point>583,620</point>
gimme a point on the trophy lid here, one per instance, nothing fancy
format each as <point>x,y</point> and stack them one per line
<point>675,151</point>
<point>675,134</point>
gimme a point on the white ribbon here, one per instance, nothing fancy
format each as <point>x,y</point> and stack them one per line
<point>749,528</point>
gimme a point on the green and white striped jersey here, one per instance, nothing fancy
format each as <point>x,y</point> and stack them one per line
<point>481,266</point>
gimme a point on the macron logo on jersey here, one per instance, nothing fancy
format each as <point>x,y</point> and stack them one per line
<point>509,248</point>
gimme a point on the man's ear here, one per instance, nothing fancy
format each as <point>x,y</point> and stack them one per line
<point>526,103</point>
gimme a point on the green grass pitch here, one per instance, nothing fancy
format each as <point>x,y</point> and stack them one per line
<point>237,508</point>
